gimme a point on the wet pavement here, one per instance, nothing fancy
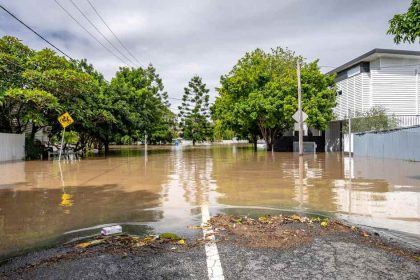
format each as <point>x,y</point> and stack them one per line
<point>46,203</point>
<point>333,254</point>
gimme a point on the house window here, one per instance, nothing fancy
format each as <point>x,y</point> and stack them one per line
<point>353,71</point>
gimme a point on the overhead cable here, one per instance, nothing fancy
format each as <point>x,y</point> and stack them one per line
<point>90,34</point>
<point>112,32</point>
<point>100,32</point>
<point>36,33</point>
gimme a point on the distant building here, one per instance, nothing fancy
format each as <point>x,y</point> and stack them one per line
<point>381,77</point>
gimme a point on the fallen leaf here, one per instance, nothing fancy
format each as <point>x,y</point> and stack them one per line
<point>90,243</point>
<point>195,227</point>
<point>365,234</point>
<point>295,217</point>
<point>324,224</point>
<point>181,242</point>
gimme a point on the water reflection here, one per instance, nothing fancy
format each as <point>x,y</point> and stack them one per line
<point>167,186</point>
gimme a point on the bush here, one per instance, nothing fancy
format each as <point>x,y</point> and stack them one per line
<point>372,120</point>
<point>126,140</point>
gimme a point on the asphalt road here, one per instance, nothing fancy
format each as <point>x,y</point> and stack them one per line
<point>325,257</point>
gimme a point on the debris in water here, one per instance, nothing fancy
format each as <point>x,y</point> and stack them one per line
<point>111,230</point>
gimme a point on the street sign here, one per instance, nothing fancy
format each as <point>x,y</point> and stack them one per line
<point>65,120</point>
<point>296,116</point>
<point>305,128</point>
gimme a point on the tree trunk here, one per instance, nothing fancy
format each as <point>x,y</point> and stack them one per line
<point>106,144</point>
<point>193,142</point>
<point>254,141</point>
<point>269,145</point>
<point>33,131</point>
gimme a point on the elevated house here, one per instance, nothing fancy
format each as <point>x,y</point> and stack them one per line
<point>381,77</point>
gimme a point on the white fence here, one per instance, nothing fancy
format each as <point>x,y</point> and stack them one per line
<point>12,147</point>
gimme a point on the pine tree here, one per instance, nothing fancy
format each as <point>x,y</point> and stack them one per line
<point>194,112</point>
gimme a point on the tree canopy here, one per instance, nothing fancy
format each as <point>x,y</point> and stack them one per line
<point>37,86</point>
<point>194,112</point>
<point>259,95</point>
<point>406,27</point>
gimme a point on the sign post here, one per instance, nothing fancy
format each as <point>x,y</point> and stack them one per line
<point>300,111</point>
<point>65,120</point>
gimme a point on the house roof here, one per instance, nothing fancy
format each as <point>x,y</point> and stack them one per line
<point>373,54</point>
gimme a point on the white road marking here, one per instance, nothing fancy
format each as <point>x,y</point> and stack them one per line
<point>214,267</point>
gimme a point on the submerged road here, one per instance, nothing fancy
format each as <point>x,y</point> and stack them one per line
<point>44,204</point>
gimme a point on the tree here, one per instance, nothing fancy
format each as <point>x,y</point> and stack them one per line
<point>13,58</point>
<point>194,112</point>
<point>140,104</point>
<point>261,92</point>
<point>406,27</point>
<point>37,86</point>
<point>26,106</point>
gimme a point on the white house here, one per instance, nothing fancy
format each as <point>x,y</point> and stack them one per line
<point>381,77</point>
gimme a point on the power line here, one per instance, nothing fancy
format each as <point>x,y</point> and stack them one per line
<point>36,33</point>
<point>87,31</point>
<point>99,31</point>
<point>115,36</point>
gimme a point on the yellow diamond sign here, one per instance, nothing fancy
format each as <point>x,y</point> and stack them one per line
<point>65,120</point>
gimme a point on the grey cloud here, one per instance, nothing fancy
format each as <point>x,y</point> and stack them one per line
<point>207,37</point>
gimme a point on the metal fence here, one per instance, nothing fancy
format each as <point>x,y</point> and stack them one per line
<point>12,146</point>
<point>407,120</point>
<point>402,143</point>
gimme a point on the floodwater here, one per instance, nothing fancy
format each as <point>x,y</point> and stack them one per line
<point>44,202</point>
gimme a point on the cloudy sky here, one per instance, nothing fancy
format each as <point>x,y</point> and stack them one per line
<point>206,37</point>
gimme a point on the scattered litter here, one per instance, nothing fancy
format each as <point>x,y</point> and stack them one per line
<point>111,230</point>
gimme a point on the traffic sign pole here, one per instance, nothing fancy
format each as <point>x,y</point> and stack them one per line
<point>300,111</point>
<point>62,144</point>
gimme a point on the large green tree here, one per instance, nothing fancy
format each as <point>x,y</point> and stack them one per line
<point>37,86</point>
<point>141,105</point>
<point>261,92</point>
<point>194,112</point>
<point>406,27</point>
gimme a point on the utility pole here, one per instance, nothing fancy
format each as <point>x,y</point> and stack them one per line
<point>300,111</point>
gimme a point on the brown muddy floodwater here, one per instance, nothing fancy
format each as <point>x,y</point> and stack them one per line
<point>44,202</point>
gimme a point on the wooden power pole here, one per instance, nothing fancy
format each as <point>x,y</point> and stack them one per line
<point>300,111</point>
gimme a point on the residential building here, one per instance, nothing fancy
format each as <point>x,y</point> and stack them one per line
<point>381,77</point>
